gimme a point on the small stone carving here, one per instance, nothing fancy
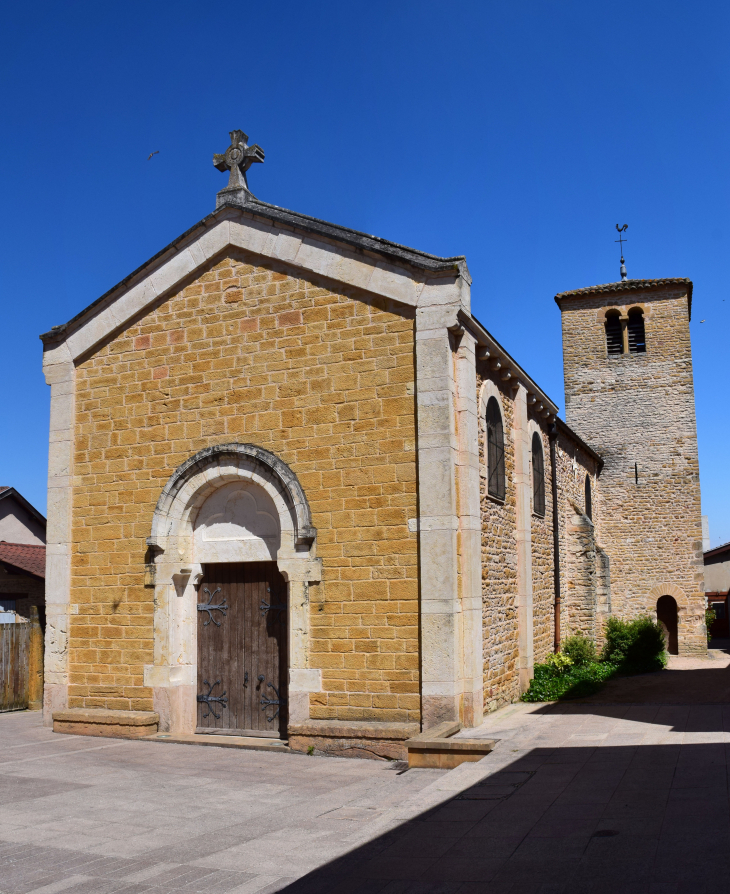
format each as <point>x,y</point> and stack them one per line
<point>238,158</point>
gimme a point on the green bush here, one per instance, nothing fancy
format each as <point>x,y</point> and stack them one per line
<point>559,663</point>
<point>710,618</point>
<point>636,646</point>
<point>580,650</point>
<point>578,681</point>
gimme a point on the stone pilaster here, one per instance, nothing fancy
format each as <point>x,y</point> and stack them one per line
<point>60,373</point>
<point>442,668</point>
<point>469,514</point>
<point>523,536</point>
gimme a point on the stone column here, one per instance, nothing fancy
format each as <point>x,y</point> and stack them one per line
<point>59,371</point>
<point>303,679</point>
<point>173,676</point>
<point>523,535</point>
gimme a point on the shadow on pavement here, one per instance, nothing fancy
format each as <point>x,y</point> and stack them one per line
<point>609,820</point>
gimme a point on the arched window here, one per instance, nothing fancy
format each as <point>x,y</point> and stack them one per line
<point>637,337</point>
<point>495,450</point>
<point>538,476</point>
<point>614,335</point>
<point>589,499</point>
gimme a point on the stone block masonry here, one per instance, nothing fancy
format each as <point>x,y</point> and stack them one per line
<point>637,410</point>
<point>323,379</point>
<point>499,552</point>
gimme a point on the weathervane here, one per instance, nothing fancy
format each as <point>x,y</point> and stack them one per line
<point>621,231</point>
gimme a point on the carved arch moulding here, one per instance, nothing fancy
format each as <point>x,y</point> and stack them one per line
<point>194,481</point>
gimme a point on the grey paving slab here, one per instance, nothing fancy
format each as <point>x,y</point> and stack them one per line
<point>579,798</point>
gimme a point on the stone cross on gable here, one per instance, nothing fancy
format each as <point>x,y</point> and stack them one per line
<point>238,158</point>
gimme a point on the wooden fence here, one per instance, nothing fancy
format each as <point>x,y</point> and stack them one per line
<point>14,660</point>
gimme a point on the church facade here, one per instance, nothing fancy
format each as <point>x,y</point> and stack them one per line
<point>297,490</point>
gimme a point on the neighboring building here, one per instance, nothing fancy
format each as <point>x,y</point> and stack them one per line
<point>717,588</point>
<point>296,488</point>
<point>19,521</point>
<point>22,555</point>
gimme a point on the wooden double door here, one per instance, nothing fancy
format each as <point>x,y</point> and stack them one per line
<point>242,650</point>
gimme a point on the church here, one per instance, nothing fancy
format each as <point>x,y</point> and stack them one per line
<point>297,491</point>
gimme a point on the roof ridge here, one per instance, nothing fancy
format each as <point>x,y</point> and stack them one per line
<point>625,285</point>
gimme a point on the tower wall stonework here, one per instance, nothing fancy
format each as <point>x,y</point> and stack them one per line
<point>637,411</point>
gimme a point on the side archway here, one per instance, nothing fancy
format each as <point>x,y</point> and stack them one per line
<point>176,570</point>
<point>667,617</point>
<point>669,604</point>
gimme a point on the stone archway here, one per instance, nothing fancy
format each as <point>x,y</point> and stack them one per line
<point>257,481</point>
<point>684,625</point>
<point>668,617</point>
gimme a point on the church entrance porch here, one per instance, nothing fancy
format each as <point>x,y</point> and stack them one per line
<point>242,661</point>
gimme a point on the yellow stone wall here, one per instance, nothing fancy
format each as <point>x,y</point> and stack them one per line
<point>324,380</point>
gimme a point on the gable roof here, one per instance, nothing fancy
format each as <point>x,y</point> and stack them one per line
<point>25,556</point>
<point>11,493</point>
<point>257,213</point>
<point>723,549</point>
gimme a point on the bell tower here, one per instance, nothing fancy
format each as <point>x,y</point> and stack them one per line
<point>629,393</point>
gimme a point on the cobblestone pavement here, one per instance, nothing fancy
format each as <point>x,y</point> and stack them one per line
<point>575,798</point>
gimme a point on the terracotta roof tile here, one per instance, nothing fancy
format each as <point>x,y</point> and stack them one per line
<point>26,556</point>
<point>629,285</point>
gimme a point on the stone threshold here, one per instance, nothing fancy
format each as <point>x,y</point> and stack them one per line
<point>252,743</point>
<point>375,740</point>
<point>436,749</point>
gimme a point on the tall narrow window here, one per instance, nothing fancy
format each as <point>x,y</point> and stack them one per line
<point>495,450</point>
<point>637,337</point>
<point>589,499</point>
<point>538,476</point>
<point>614,336</point>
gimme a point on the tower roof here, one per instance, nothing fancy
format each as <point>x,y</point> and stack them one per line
<point>630,285</point>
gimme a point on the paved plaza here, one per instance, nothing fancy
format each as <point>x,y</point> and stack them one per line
<point>597,797</point>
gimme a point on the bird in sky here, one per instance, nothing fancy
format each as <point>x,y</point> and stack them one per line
<point>702,321</point>
<point>156,152</point>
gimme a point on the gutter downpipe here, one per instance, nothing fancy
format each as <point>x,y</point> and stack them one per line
<point>553,435</point>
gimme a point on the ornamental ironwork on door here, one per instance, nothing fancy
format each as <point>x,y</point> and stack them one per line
<point>242,659</point>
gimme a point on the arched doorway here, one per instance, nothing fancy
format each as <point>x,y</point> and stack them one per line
<point>242,614</point>
<point>666,614</point>
<point>234,521</point>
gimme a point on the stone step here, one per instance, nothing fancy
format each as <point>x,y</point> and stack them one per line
<point>105,722</point>
<point>253,743</point>
<point>436,748</point>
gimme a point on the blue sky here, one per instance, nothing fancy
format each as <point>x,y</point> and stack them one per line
<point>517,134</point>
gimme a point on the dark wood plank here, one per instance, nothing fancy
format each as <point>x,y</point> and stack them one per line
<point>248,644</point>
<point>14,655</point>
